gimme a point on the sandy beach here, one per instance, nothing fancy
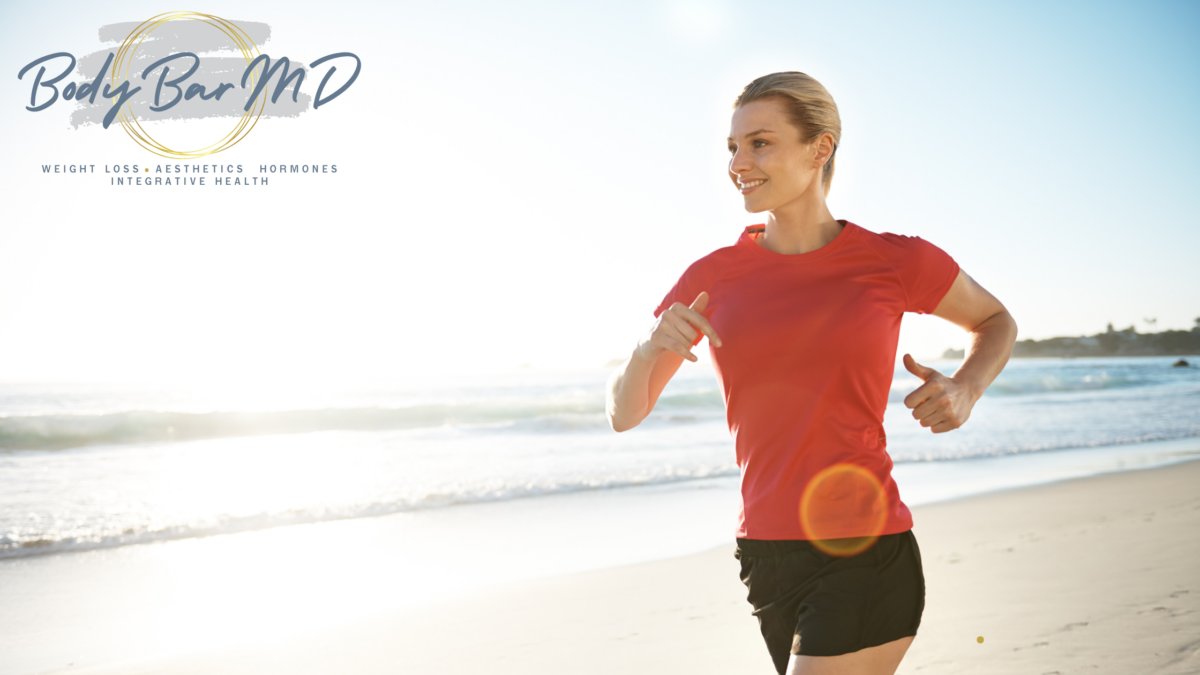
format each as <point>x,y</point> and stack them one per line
<point>1089,575</point>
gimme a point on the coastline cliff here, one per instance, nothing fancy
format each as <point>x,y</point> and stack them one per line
<point>1127,342</point>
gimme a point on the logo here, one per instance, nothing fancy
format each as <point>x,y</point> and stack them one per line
<point>222,97</point>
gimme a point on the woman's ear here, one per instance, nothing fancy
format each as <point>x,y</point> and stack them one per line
<point>824,150</point>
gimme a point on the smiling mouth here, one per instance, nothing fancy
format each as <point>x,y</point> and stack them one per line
<point>747,188</point>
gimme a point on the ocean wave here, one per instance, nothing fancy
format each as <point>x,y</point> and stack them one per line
<point>1052,383</point>
<point>15,544</point>
<point>701,398</point>
<point>1016,385</point>
<point>902,456</point>
<point>63,431</point>
<point>55,432</point>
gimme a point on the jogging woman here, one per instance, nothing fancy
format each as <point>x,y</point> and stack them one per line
<point>802,316</point>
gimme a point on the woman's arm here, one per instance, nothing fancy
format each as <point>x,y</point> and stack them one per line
<point>944,403</point>
<point>637,383</point>
<point>635,387</point>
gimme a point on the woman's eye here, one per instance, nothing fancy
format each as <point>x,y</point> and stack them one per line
<point>757,141</point>
<point>732,149</point>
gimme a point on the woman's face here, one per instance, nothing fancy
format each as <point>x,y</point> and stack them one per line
<point>770,165</point>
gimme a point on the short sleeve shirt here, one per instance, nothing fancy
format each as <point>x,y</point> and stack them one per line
<point>809,348</point>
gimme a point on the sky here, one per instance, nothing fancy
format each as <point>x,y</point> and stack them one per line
<point>520,183</point>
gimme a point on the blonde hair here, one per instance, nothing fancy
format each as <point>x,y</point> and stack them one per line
<point>809,107</point>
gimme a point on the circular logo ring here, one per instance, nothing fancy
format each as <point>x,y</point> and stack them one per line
<point>134,128</point>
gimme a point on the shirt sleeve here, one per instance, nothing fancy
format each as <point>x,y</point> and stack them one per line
<point>685,290</point>
<point>926,272</point>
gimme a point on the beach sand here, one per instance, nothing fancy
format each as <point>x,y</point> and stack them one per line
<point>1089,575</point>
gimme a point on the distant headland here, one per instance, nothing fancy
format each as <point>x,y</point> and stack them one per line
<point>1126,342</point>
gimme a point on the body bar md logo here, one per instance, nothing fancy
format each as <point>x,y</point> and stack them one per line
<point>156,77</point>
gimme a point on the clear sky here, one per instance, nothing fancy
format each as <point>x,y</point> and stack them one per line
<point>522,182</point>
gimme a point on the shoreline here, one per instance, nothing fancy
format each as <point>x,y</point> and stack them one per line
<point>1083,574</point>
<point>982,474</point>
<point>1091,356</point>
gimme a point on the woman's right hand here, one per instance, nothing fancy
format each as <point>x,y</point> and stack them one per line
<point>676,329</point>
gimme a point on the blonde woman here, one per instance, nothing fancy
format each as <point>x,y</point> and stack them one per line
<point>802,316</point>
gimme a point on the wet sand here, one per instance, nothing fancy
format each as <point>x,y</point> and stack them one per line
<point>1089,575</point>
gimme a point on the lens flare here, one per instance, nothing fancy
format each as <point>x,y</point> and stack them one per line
<point>841,500</point>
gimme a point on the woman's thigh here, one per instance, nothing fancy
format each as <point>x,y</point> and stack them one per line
<point>880,660</point>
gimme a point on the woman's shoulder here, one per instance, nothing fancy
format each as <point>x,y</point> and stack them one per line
<point>701,275</point>
<point>870,235</point>
<point>891,244</point>
<point>718,263</point>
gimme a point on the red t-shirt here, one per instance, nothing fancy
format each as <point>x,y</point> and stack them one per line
<point>809,347</point>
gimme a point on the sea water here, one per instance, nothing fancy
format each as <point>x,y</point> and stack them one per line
<point>95,466</point>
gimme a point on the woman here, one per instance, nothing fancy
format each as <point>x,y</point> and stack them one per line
<point>802,315</point>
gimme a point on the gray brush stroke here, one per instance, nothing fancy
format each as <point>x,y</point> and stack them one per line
<point>199,38</point>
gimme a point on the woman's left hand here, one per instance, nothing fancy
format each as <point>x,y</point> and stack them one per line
<point>942,403</point>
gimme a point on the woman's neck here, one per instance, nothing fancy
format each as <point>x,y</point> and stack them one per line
<point>801,226</point>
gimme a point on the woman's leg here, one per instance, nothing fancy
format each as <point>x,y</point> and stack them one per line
<point>881,660</point>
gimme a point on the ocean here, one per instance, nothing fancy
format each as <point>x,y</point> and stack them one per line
<point>101,466</point>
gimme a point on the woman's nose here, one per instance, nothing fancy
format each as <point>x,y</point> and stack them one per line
<point>739,163</point>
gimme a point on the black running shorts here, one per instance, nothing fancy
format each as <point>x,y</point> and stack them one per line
<point>812,603</point>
